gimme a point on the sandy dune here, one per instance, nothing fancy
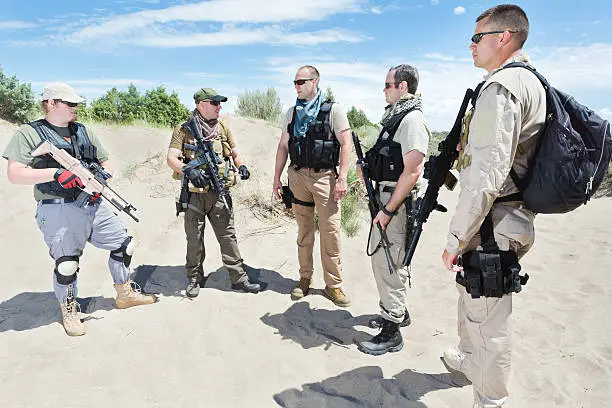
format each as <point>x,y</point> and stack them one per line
<point>225,349</point>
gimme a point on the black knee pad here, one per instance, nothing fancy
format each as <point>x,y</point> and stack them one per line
<point>124,252</point>
<point>66,268</point>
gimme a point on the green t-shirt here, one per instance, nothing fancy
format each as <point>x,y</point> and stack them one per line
<point>26,139</point>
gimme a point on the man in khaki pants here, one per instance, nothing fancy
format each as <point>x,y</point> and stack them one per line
<point>316,137</point>
<point>507,118</point>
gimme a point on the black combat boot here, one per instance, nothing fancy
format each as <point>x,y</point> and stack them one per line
<point>246,286</point>
<point>193,287</point>
<point>377,322</point>
<point>388,340</point>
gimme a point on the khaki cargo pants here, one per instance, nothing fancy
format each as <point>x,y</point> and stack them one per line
<point>209,205</point>
<point>318,187</point>
<point>484,323</point>
<point>391,287</point>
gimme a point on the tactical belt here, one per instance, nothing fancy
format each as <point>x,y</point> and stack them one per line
<point>57,200</point>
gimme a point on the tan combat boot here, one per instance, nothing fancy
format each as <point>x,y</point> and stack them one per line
<point>301,289</point>
<point>70,318</point>
<point>337,296</point>
<point>128,296</point>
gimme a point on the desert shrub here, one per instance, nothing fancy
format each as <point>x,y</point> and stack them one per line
<point>258,104</point>
<point>17,101</point>
<point>357,118</point>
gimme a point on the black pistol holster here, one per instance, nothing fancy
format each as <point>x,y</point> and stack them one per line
<point>490,272</point>
<point>289,199</point>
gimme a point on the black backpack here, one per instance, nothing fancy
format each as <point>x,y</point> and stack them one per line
<point>572,157</point>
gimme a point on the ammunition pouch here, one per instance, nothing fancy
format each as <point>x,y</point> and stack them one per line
<point>490,274</point>
<point>184,197</point>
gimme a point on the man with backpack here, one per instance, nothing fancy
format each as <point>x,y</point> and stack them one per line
<point>489,231</point>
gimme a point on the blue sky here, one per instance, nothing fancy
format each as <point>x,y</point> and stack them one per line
<point>235,45</point>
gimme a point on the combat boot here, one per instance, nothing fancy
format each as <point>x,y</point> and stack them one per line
<point>70,318</point>
<point>193,288</point>
<point>246,287</point>
<point>301,289</point>
<point>377,322</point>
<point>128,296</point>
<point>337,296</point>
<point>388,340</point>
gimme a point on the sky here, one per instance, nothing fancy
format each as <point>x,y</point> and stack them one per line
<point>239,45</point>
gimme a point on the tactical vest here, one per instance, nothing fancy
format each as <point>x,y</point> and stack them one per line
<point>221,146</point>
<point>80,147</point>
<point>385,159</point>
<point>318,149</point>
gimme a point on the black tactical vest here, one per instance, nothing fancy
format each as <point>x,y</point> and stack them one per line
<point>385,159</point>
<point>80,147</point>
<point>318,149</point>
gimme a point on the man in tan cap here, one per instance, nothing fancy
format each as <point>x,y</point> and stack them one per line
<point>67,225</point>
<point>201,201</point>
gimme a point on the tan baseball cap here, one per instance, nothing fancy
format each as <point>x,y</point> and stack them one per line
<point>61,90</point>
<point>208,94</point>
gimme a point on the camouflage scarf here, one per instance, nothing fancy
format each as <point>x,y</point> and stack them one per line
<point>210,128</point>
<point>406,103</point>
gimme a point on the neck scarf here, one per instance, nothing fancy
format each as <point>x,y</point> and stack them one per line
<point>406,103</point>
<point>210,127</point>
<point>306,112</point>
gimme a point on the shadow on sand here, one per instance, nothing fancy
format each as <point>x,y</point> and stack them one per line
<point>29,310</point>
<point>170,280</point>
<point>318,327</point>
<point>367,388</point>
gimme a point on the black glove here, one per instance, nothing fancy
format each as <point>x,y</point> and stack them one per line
<point>197,177</point>
<point>244,172</point>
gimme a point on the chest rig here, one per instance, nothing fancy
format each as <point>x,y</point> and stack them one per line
<point>79,146</point>
<point>318,149</point>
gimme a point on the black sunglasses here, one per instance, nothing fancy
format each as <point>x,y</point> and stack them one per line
<point>389,84</point>
<point>214,103</point>
<point>302,81</point>
<point>478,36</point>
<point>70,104</point>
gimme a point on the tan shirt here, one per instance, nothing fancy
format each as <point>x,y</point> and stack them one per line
<point>509,113</point>
<point>223,146</point>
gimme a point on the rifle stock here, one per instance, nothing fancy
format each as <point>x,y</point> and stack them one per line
<point>372,200</point>
<point>91,183</point>
<point>437,170</point>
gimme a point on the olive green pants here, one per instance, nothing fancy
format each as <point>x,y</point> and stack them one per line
<point>209,205</point>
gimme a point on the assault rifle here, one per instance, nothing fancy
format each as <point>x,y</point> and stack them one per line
<point>209,160</point>
<point>92,175</point>
<point>437,172</point>
<point>373,203</point>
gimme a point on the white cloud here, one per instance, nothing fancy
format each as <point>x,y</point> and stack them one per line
<point>459,10</point>
<point>15,25</point>
<point>605,113</point>
<point>203,75</point>
<point>236,11</point>
<point>376,10</point>
<point>435,2</point>
<point>241,36</point>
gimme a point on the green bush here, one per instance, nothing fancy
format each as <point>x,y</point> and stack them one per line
<point>358,118</point>
<point>260,105</point>
<point>17,101</point>
<point>352,204</point>
<point>156,108</point>
<point>434,140</point>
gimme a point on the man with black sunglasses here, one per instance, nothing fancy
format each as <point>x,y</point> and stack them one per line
<point>395,163</point>
<point>316,137</point>
<point>203,201</point>
<point>66,224</point>
<point>491,223</point>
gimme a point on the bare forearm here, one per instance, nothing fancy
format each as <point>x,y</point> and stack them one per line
<point>344,161</point>
<point>404,186</point>
<point>175,163</point>
<point>282,152</point>
<point>30,176</point>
